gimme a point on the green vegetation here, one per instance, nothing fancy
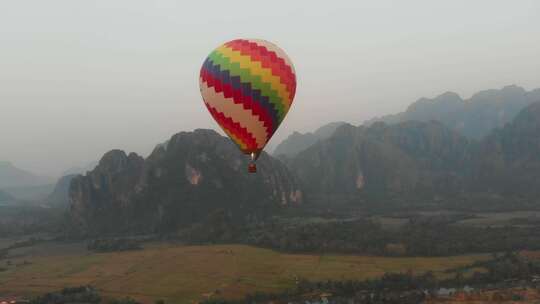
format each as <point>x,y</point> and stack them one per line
<point>82,294</point>
<point>19,220</point>
<point>403,288</point>
<point>503,271</point>
<point>420,236</point>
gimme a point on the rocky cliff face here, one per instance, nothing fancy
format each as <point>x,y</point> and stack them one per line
<point>178,184</point>
<point>415,158</point>
<point>59,197</point>
<point>383,158</point>
<point>508,160</point>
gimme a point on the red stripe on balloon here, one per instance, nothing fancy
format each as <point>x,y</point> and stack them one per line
<point>269,60</point>
<point>279,67</point>
<point>234,128</point>
<point>238,97</point>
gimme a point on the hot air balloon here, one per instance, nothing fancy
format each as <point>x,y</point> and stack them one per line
<point>248,86</point>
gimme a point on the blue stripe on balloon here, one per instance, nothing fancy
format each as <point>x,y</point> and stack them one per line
<point>245,88</point>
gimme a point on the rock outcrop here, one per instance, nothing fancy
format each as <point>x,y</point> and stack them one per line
<point>180,183</point>
<point>60,194</point>
<point>508,160</point>
<point>411,156</point>
<point>412,159</point>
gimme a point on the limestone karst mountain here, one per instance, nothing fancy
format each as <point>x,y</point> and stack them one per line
<point>424,158</point>
<point>177,185</point>
<point>475,117</point>
<point>298,142</point>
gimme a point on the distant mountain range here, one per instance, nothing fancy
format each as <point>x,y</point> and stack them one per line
<point>298,142</point>
<point>30,194</point>
<point>413,160</point>
<point>11,176</point>
<point>80,169</point>
<point>418,159</point>
<point>178,184</point>
<point>475,117</point>
<point>23,185</point>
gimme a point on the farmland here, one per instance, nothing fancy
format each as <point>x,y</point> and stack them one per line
<point>183,274</point>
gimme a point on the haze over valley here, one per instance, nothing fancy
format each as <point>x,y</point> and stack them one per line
<point>392,187</point>
<point>401,160</point>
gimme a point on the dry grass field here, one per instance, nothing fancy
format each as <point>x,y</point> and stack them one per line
<point>186,274</point>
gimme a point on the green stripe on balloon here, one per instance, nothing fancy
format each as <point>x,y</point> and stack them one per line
<point>246,76</point>
<point>255,81</point>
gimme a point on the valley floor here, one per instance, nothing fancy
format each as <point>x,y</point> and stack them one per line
<point>185,274</point>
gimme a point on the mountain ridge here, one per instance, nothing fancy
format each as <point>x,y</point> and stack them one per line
<point>11,177</point>
<point>475,117</point>
<point>177,185</point>
<point>408,163</point>
<point>297,142</point>
<point>424,159</point>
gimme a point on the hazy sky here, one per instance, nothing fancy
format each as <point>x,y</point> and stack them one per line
<point>78,78</point>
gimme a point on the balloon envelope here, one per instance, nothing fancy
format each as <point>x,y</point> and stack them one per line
<point>248,86</point>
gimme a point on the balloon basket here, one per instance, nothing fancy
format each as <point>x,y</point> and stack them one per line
<point>252,168</point>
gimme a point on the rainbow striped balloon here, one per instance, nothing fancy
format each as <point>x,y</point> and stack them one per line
<point>248,85</point>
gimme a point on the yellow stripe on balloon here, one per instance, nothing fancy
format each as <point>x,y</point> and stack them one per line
<point>256,69</point>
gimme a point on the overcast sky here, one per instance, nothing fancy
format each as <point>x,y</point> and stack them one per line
<point>78,78</point>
